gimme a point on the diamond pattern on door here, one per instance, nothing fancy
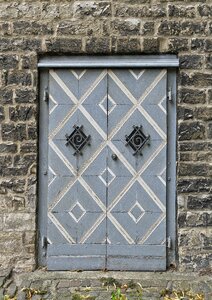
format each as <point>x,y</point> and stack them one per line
<point>107,201</point>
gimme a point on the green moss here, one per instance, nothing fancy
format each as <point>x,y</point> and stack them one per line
<point>110,281</point>
<point>82,297</point>
<point>76,297</point>
<point>131,284</point>
<point>181,295</point>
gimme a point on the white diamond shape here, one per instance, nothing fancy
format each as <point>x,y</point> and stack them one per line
<point>102,104</point>
<point>161,176</point>
<point>161,106</point>
<point>53,177</point>
<point>78,205</point>
<point>106,241</point>
<point>137,76</point>
<point>137,205</point>
<point>111,173</point>
<point>78,76</point>
<point>55,104</point>
<point>113,104</point>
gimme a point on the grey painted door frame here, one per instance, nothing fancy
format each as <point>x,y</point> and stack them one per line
<point>167,61</point>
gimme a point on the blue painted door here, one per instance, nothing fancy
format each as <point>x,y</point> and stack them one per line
<point>107,169</point>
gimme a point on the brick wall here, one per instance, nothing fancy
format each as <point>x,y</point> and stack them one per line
<point>31,28</point>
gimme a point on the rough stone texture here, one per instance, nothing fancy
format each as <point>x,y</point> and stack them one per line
<point>32,28</point>
<point>100,285</point>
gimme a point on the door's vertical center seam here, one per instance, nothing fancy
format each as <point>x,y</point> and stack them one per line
<point>106,219</point>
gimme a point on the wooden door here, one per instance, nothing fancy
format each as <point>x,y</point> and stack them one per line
<point>107,169</point>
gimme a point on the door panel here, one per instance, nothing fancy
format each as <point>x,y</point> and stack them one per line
<point>77,134</point>
<point>137,211</point>
<point>107,169</point>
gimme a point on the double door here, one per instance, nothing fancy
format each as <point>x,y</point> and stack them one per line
<point>107,169</point>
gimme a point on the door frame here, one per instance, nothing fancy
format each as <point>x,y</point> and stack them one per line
<point>170,62</point>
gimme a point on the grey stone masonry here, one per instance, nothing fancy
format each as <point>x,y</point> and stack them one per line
<point>29,29</point>
<point>99,285</point>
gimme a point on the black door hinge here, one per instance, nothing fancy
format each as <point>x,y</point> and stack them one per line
<point>46,94</point>
<point>44,242</point>
<point>169,242</point>
<point>169,95</point>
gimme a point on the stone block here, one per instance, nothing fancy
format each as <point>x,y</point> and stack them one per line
<point>185,156</point>
<point>194,185</point>
<point>29,61</point>
<point>22,113</point>
<point>32,131</point>
<point>203,113</point>
<point>26,160</point>
<point>32,28</point>
<point>208,45</point>
<point>28,147</point>
<point>209,130</point>
<point>190,146</point>
<point>11,132</point>
<point>50,11</point>
<point>6,160</point>
<point>9,147</point>
<point>185,113</point>
<point>191,169</point>
<point>19,78</point>
<point>197,44</point>
<point>2,113</point>
<point>77,27</point>
<point>13,184</point>
<point>127,27</point>
<point>206,239</point>
<point>134,2</point>
<point>194,219</point>
<point>5,28</point>
<point>150,45</point>
<point>210,96</point>
<point>169,28</point>
<point>25,44</point>
<point>191,131</point>
<point>25,95</point>
<point>197,79</point>
<point>203,157</point>
<point>10,242</point>
<point>154,11</point>
<point>209,62</point>
<point>92,8</point>
<point>205,10</point>
<point>21,295</point>
<point>64,45</point>
<point>179,11</point>
<point>198,261</point>
<point>19,222</point>
<point>175,45</point>
<point>192,96</point>
<point>28,10</point>
<point>147,28</point>
<point>189,28</point>
<point>63,284</point>
<point>8,61</point>
<point>66,10</point>
<point>97,45</point>
<point>131,45</point>
<point>191,61</point>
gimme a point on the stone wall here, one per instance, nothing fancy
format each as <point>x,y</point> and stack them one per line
<point>97,285</point>
<point>32,28</point>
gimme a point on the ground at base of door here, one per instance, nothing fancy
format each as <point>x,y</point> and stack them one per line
<point>97,285</point>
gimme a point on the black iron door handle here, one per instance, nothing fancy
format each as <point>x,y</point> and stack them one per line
<point>114,156</point>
